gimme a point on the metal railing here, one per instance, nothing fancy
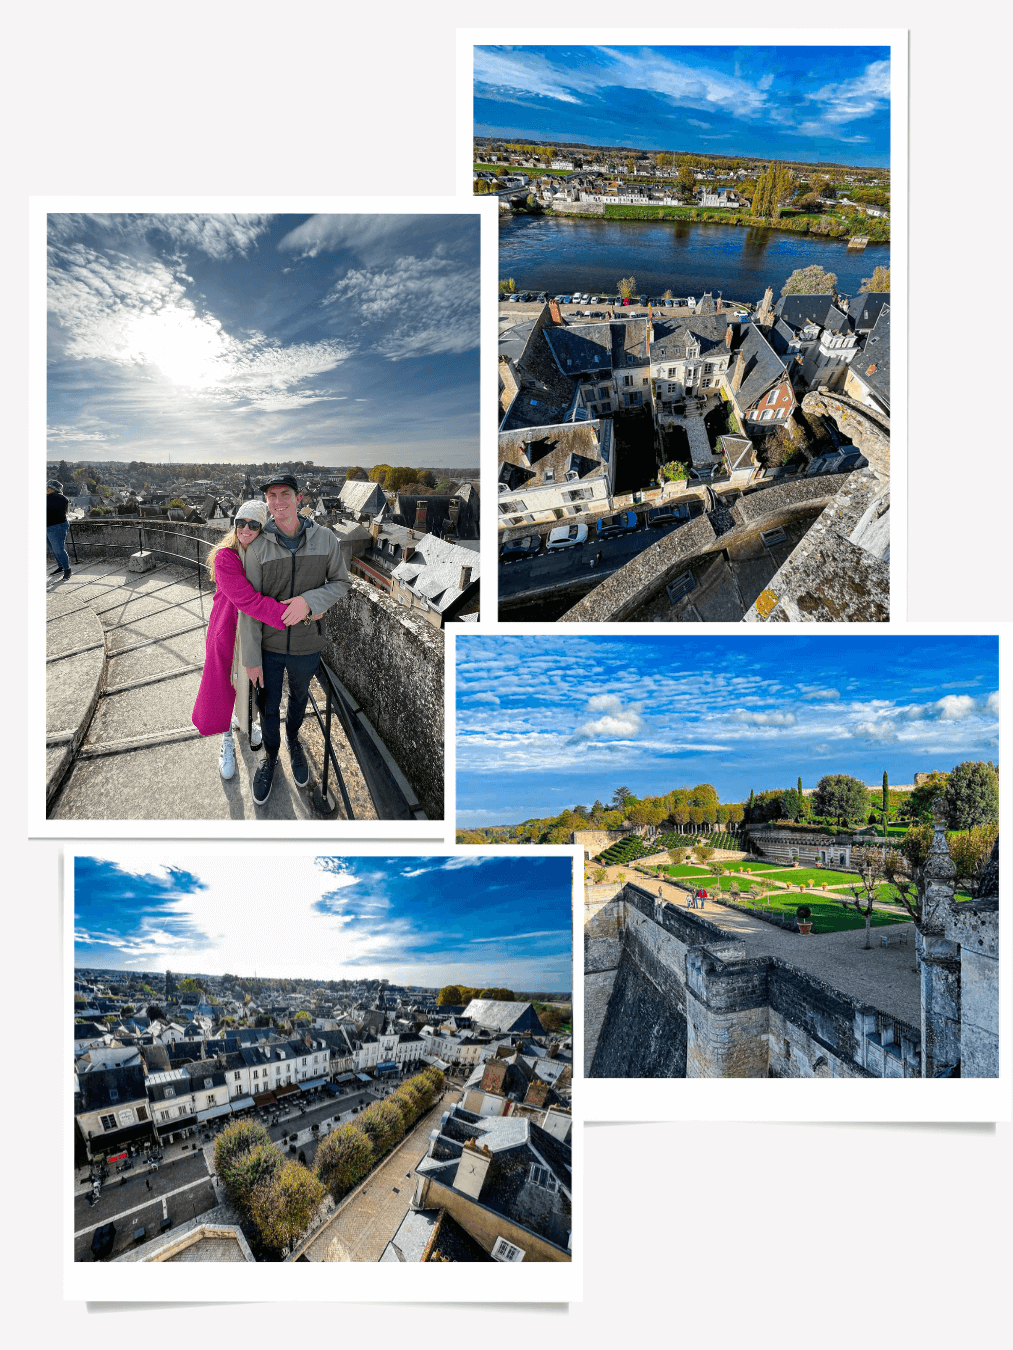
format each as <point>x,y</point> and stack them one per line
<point>391,794</point>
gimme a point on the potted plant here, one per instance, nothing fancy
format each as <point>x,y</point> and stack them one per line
<point>803,918</point>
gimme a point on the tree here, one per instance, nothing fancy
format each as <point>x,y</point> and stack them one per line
<point>919,803</point>
<point>343,1159</point>
<point>626,286</point>
<point>449,996</point>
<point>303,1017</point>
<point>356,475</point>
<point>621,796</point>
<point>190,986</point>
<point>840,797</point>
<point>378,473</point>
<point>384,1126</point>
<point>244,1157</point>
<point>687,179</point>
<point>154,1013</point>
<point>879,281</point>
<point>282,1205</point>
<point>481,186</point>
<point>510,286</point>
<point>972,794</point>
<point>703,853</point>
<point>812,280</point>
<point>598,875</point>
<point>871,872</point>
<point>677,855</point>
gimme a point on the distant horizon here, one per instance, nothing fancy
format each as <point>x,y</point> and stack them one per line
<point>575,717</point>
<point>678,150</point>
<point>810,104</point>
<point>205,974</point>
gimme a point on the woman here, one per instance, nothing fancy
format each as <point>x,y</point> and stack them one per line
<point>217,707</point>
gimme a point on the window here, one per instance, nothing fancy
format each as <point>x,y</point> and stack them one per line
<point>108,1122</point>
<point>506,1251</point>
<point>170,1092</point>
<point>606,407</point>
<point>183,1111</point>
<point>207,1082</point>
<point>541,1176</point>
<point>304,1059</point>
<point>142,1113</point>
<point>671,388</point>
<point>163,1115</point>
<point>236,1074</point>
<point>256,1073</point>
<point>114,1095</point>
<point>633,400</point>
<point>767,414</point>
<point>211,1099</point>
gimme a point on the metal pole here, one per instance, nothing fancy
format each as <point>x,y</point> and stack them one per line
<point>327,742</point>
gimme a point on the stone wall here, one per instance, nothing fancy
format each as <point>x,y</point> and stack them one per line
<point>391,661</point>
<point>578,208</point>
<point>867,429</point>
<point>119,536</point>
<point>594,842</point>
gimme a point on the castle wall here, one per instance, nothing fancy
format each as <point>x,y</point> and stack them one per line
<point>975,926</point>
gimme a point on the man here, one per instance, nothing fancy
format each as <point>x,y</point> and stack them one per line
<point>56,526</point>
<point>298,562</point>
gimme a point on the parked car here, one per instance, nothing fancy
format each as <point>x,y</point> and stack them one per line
<point>620,523</point>
<point>565,536</point>
<point>521,548</point>
<point>665,515</point>
<point>626,300</point>
<point>669,303</point>
<point>643,299</point>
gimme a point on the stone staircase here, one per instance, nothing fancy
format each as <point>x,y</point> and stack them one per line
<point>124,658</point>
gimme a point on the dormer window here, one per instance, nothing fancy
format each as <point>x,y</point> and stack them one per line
<point>114,1095</point>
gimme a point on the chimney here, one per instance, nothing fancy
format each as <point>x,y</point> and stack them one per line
<point>374,531</point>
<point>728,337</point>
<point>472,1168</point>
<point>465,578</point>
<point>420,517</point>
<point>554,313</point>
<point>719,302</point>
<point>739,371</point>
<point>454,507</point>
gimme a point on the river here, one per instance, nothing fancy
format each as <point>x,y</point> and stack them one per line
<point>566,253</point>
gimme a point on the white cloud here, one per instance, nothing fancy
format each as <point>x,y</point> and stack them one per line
<point>859,97</point>
<point>617,723</point>
<point>955,707</point>
<point>491,699</point>
<point>427,300</point>
<point>366,235</point>
<point>822,694</point>
<point>875,731</point>
<point>992,703</point>
<point>692,121</point>
<point>72,434</point>
<point>514,937</point>
<point>773,719</point>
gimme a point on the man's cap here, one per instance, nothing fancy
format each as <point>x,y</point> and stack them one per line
<point>282,480</point>
<point>55,484</point>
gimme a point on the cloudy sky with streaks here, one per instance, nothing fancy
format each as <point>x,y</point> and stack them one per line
<point>804,103</point>
<point>545,723</point>
<point>431,920</point>
<point>341,339</point>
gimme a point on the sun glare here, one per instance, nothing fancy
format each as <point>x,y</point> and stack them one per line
<point>187,350</point>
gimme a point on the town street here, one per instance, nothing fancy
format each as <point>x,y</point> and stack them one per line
<point>179,1190</point>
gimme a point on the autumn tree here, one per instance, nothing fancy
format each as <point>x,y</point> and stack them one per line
<point>449,996</point>
<point>343,1158</point>
<point>626,286</point>
<point>244,1157</point>
<point>282,1204</point>
<point>879,281</point>
<point>812,280</point>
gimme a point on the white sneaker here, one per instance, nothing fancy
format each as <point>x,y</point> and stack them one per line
<point>256,736</point>
<point>227,756</point>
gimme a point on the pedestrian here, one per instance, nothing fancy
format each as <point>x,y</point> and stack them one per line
<point>57,526</point>
<point>147,1183</point>
<point>299,563</point>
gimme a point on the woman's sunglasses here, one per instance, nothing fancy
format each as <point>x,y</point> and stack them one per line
<point>250,524</point>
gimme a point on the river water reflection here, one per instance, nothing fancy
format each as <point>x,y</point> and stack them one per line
<point>560,253</point>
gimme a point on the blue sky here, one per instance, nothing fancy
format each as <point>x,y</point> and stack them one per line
<point>429,920</point>
<point>804,103</point>
<point>547,723</point>
<point>341,339</point>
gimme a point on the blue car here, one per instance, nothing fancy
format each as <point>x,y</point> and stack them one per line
<point>621,523</point>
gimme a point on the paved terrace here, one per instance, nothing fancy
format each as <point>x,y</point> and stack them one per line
<point>884,977</point>
<point>124,657</point>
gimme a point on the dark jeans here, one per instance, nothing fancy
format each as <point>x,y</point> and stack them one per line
<point>55,537</point>
<point>301,670</point>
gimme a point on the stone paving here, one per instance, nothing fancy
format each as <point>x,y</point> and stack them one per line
<point>124,711</point>
<point>366,1222</point>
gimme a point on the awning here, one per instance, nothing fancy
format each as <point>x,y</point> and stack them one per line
<point>313,1083</point>
<point>181,1123</point>
<point>213,1111</point>
<point>387,1066</point>
<point>112,1141</point>
<point>262,1098</point>
<point>364,1077</point>
<point>345,1077</point>
<point>284,1091</point>
<point>242,1103</point>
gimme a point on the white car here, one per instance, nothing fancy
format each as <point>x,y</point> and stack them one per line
<point>565,536</point>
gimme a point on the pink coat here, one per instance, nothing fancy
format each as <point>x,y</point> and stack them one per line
<point>216,697</point>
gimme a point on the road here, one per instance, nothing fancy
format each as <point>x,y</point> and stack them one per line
<point>565,566</point>
<point>181,1190</point>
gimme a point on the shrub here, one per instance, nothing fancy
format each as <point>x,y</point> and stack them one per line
<point>803,912</point>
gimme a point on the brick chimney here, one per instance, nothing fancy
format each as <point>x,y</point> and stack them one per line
<point>728,337</point>
<point>420,516</point>
<point>719,302</point>
<point>374,531</point>
<point>763,313</point>
<point>739,372</point>
<point>554,313</point>
<point>454,508</point>
<point>472,1168</point>
<point>465,578</point>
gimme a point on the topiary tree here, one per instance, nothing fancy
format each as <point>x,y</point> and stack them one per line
<point>244,1157</point>
<point>972,794</point>
<point>343,1159</point>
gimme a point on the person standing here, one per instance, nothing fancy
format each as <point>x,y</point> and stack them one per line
<point>57,526</point>
<point>299,563</point>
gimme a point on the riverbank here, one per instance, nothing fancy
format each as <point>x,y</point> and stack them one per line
<point>876,231</point>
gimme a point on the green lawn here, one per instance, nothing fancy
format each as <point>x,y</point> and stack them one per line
<point>682,870</point>
<point>827,915</point>
<point>814,876</point>
<point>745,866</point>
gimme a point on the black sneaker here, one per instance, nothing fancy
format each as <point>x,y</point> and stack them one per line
<point>296,758</point>
<point>66,574</point>
<point>263,779</point>
<point>56,571</point>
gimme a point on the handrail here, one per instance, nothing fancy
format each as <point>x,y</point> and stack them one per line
<point>390,793</point>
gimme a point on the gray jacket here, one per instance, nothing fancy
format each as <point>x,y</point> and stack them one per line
<point>316,571</point>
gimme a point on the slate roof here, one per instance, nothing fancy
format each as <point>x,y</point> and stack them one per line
<point>544,394</point>
<point>872,364</point>
<point>512,340</point>
<point>499,1015</point>
<point>97,1089</point>
<point>360,497</point>
<point>671,338</point>
<point>863,310</point>
<point>763,367</point>
<point>798,310</point>
<point>434,570</point>
<point>527,457</point>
